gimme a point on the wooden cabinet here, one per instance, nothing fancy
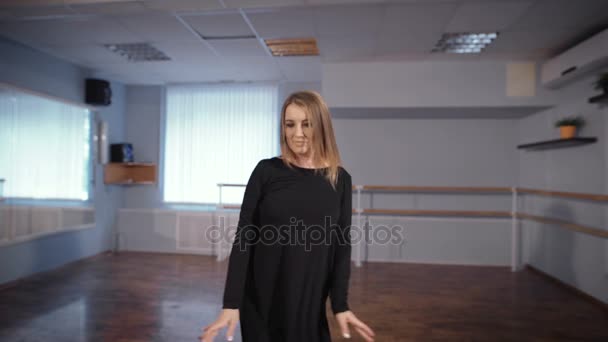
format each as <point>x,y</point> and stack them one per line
<point>130,173</point>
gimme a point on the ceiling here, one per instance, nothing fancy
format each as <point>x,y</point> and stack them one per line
<point>355,30</point>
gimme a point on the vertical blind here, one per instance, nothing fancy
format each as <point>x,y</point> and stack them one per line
<point>216,133</point>
<point>44,147</point>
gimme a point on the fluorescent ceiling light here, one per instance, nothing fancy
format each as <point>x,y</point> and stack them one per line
<point>464,42</point>
<point>293,47</point>
<point>138,52</point>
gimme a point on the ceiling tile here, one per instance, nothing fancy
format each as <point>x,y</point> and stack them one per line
<point>156,27</point>
<point>486,16</point>
<point>219,24</point>
<point>406,43</point>
<point>28,3</point>
<point>186,52</point>
<point>109,7</point>
<point>346,48</point>
<point>261,3</point>
<point>343,2</point>
<point>86,54</point>
<point>238,47</point>
<point>183,5</point>
<point>21,12</point>
<point>525,41</point>
<point>348,20</point>
<point>68,32</point>
<point>346,30</point>
<point>283,23</point>
<point>416,19</point>
<point>579,14</point>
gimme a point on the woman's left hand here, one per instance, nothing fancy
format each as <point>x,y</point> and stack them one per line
<point>347,317</point>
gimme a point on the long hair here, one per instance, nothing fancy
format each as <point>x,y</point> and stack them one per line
<point>324,147</point>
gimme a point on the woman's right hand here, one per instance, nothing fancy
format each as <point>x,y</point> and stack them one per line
<point>228,317</point>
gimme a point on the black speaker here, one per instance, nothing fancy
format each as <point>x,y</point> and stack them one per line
<point>98,92</point>
<point>121,153</point>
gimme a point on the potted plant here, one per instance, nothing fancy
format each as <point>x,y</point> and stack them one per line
<point>568,126</point>
<point>602,83</point>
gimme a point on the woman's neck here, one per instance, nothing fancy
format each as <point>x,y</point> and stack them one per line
<point>305,162</point>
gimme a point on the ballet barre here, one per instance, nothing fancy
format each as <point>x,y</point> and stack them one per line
<point>514,214</point>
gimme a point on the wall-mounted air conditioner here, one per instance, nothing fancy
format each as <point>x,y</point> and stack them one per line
<point>580,60</point>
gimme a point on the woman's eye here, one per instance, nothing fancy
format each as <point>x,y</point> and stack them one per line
<point>291,125</point>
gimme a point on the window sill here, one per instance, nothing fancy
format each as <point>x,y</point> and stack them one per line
<point>22,239</point>
<point>47,203</point>
<point>168,207</point>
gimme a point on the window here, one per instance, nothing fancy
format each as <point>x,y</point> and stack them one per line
<point>216,134</point>
<point>44,147</point>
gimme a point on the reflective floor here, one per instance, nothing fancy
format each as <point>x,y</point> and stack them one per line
<point>162,297</point>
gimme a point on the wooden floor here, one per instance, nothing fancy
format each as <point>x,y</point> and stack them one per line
<point>161,297</point>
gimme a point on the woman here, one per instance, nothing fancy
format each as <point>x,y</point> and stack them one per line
<point>292,246</point>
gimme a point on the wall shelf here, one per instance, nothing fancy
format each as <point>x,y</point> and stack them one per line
<point>558,143</point>
<point>130,174</point>
<point>603,99</point>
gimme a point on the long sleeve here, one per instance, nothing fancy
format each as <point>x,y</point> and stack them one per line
<point>341,268</point>
<point>240,254</point>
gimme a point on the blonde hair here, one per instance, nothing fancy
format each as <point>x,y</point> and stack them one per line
<point>324,147</point>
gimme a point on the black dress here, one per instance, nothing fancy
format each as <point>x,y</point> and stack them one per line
<point>291,251</point>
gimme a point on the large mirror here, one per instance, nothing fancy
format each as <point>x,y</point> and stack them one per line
<point>46,165</point>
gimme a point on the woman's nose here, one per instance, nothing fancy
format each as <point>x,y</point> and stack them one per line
<point>299,131</point>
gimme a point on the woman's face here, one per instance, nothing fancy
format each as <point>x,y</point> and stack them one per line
<point>298,131</point>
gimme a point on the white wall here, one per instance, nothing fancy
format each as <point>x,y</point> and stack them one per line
<point>575,258</point>
<point>435,152</point>
<point>144,124</point>
<point>431,84</point>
